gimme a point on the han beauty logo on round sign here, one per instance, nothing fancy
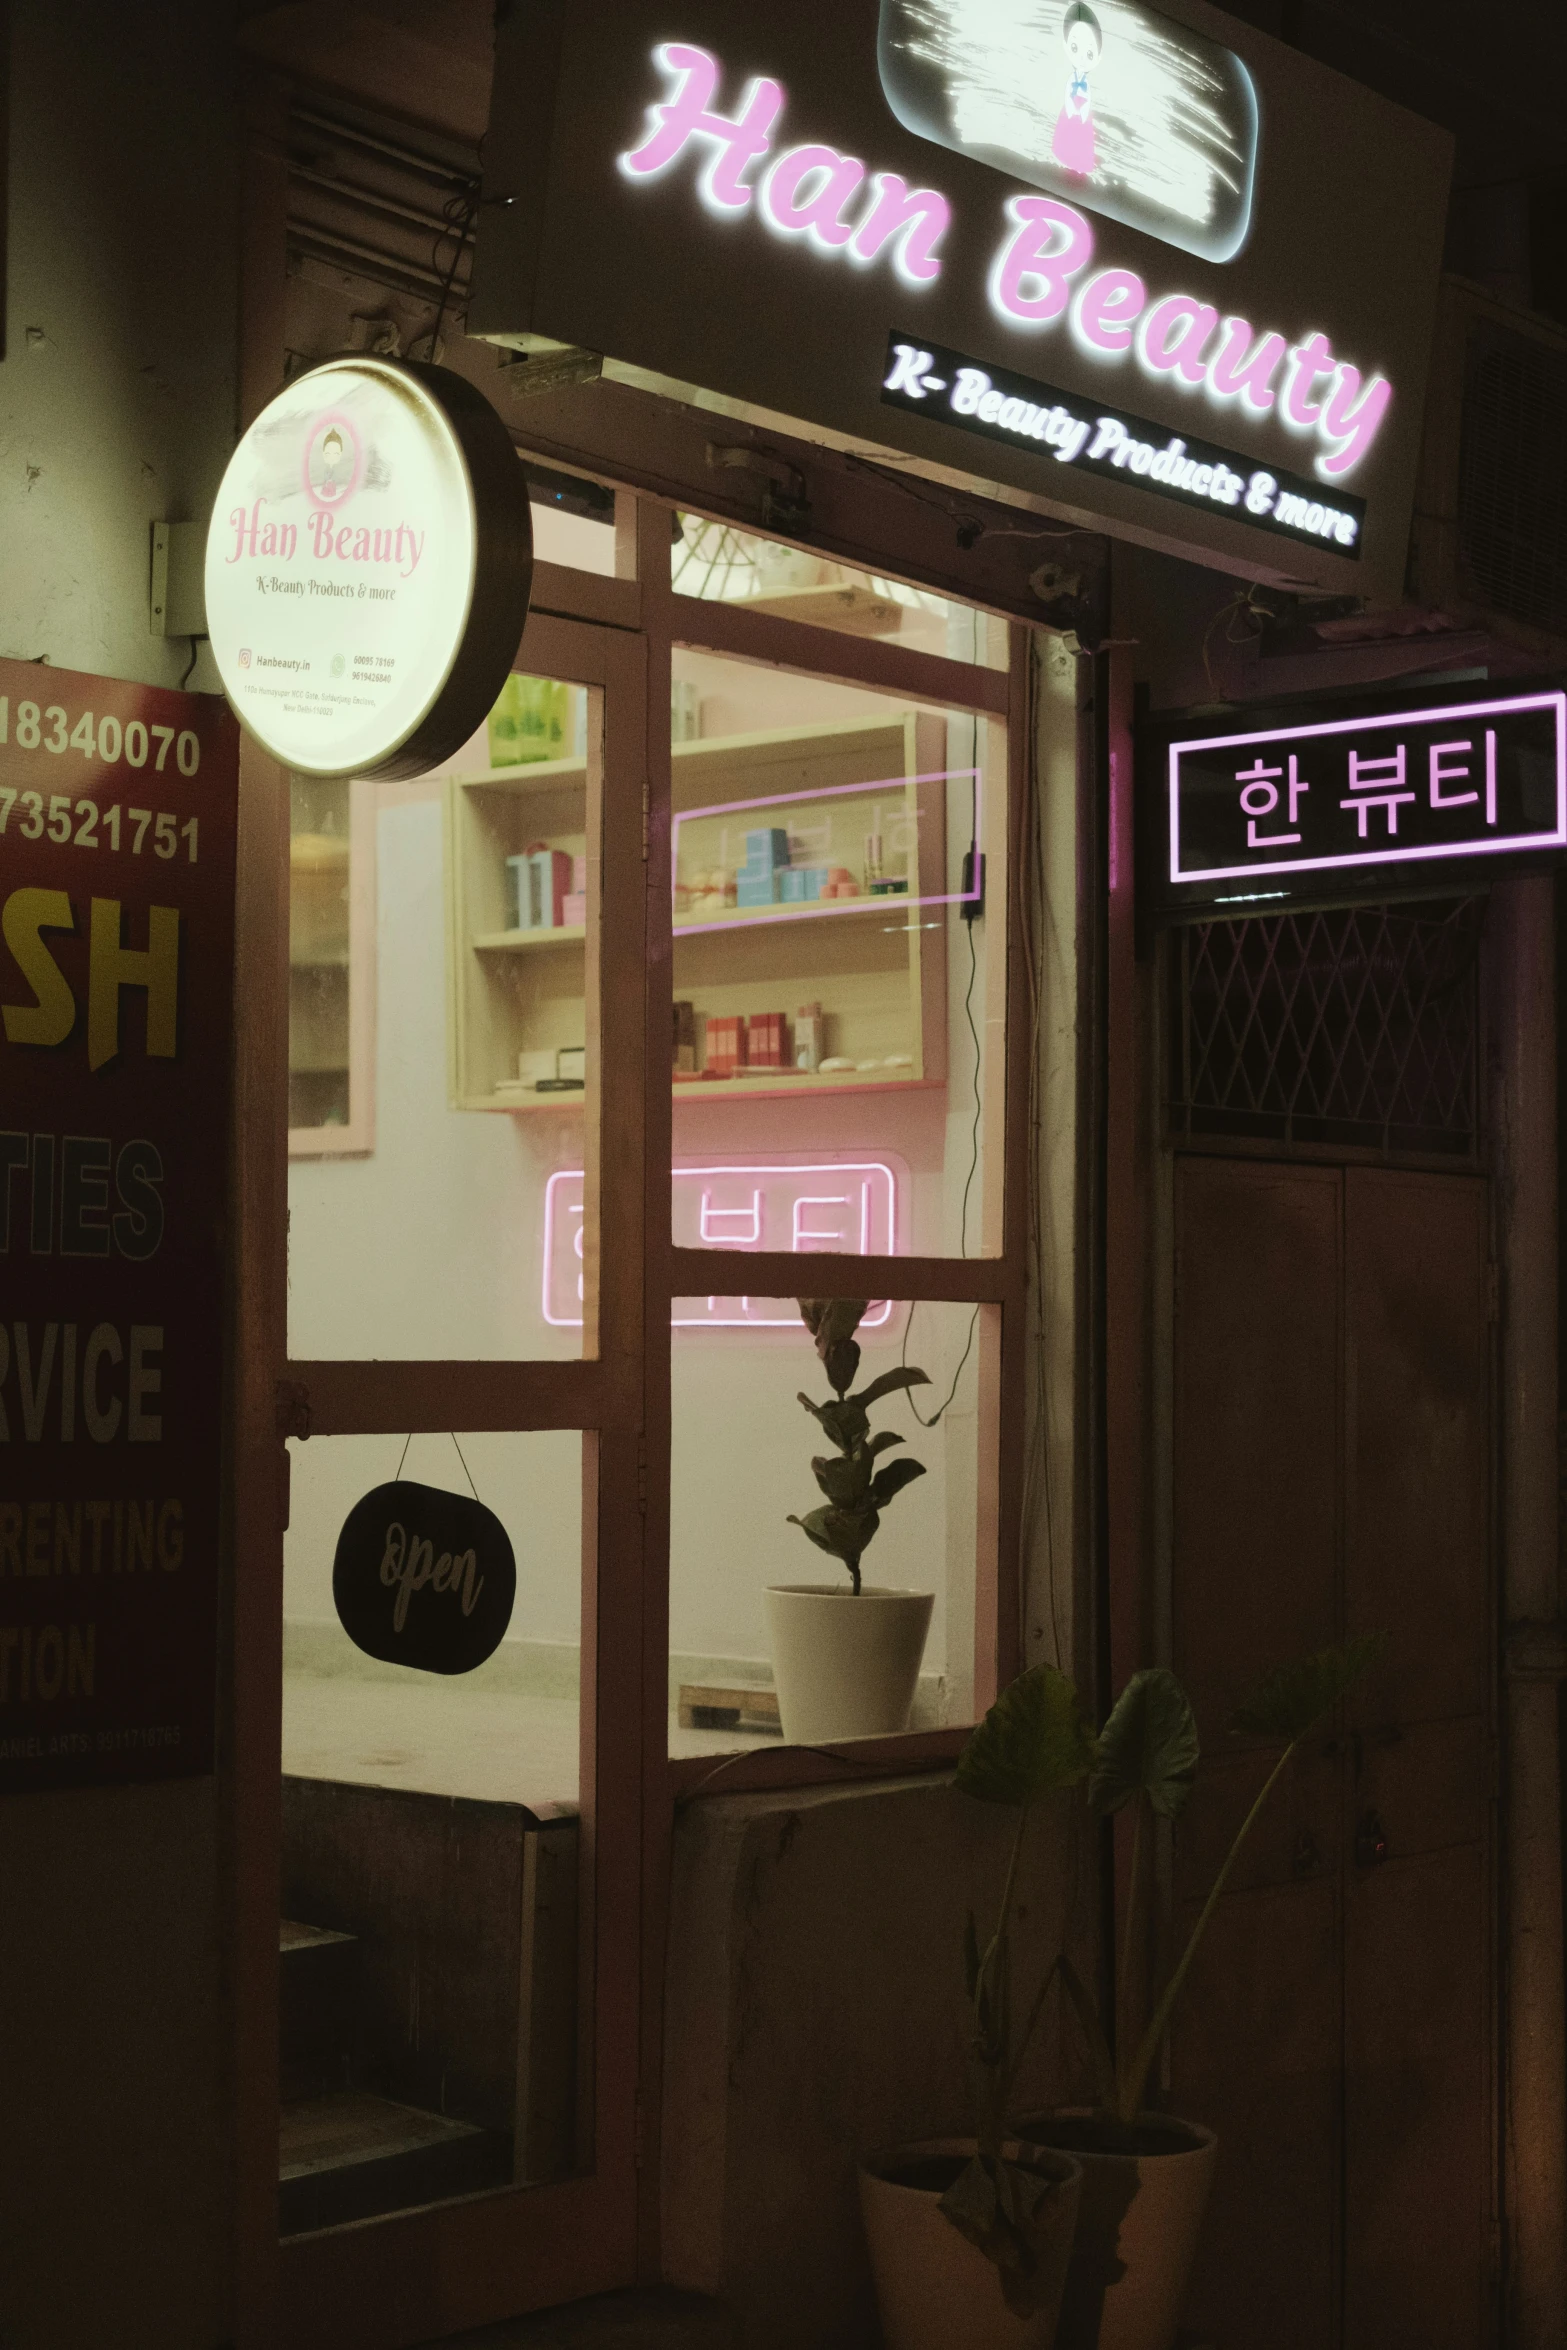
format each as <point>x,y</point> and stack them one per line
<point>424,1577</point>
<point>369,562</point>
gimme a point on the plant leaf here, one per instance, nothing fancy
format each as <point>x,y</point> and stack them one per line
<point>830,1319</point>
<point>889,1383</point>
<point>1033,1740</point>
<point>844,1422</point>
<point>882,1439</point>
<point>1294,1698</point>
<point>1147,1747</point>
<point>1002,2209</point>
<point>843,1534</point>
<point>893,1478</point>
<point>842,1361</point>
<point>845,1478</point>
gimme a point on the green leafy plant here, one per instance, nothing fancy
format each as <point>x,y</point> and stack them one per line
<point>857,1491</point>
<point>1033,1742</point>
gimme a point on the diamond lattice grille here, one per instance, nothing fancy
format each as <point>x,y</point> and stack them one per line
<point>1355,1029</point>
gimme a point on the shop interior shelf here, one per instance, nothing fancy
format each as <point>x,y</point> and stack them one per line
<point>875,965</point>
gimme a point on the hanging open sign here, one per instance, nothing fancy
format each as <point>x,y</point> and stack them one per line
<point>424,1578</point>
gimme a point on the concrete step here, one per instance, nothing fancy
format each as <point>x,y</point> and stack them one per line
<point>318,1990</point>
<point>351,2155</point>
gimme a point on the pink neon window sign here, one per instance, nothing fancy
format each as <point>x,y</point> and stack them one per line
<point>815,909</point>
<point>832,1206</point>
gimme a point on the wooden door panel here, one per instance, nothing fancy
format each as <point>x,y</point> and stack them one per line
<point>1416,2190</point>
<point>1256,1413</point>
<point>1256,2055</point>
<point>1417,1470</point>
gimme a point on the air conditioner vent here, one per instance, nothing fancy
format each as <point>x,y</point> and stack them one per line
<point>1512,476</point>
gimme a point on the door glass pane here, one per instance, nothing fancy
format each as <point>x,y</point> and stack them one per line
<point>330,957</point>
<point>839,966</point>
<point>740,1470</point>
<point>430,1857</point>
<point>433,1242</point>
<point>716,562</point>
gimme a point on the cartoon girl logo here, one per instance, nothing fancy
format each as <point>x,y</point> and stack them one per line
<point>1073,145</point>
<point>333,461</point>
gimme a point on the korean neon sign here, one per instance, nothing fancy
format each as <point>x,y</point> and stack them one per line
<point>1247,817</point>
<point>831,1205</point>
<point>1042,279</point>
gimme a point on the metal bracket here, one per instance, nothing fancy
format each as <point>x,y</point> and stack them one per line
<point>292,1405</point>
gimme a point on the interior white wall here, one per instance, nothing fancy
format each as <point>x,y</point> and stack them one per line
<point>117,409</point>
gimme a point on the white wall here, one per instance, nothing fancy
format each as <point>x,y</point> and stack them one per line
<point>116,409</point>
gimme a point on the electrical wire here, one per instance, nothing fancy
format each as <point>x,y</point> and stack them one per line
<point>196,641</point>
<point>968,1185</point>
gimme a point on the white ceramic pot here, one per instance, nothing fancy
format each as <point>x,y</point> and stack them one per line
<point>934,2289</point>
<point>1138,2225</point>
<point>846,1665</point>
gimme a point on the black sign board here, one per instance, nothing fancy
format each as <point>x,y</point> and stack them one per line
<point>1439,790</point>
<point>424,1578</point>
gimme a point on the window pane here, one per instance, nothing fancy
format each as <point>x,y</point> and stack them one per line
<point>435,1243</point>
<point>326,1073</point>
<point>715,561</point>
<point>573,520</point>
<point>839,966</point>
<point>741,1469</point>
<point>430,1855</point>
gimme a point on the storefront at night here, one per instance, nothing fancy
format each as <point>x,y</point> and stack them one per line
<point>997,813</point>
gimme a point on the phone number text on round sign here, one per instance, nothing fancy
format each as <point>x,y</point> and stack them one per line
<point>369,564</point>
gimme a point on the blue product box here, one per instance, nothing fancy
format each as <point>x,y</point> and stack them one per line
<point>756,889</point>
<point>766,852</point>
<point>791,885</point>
<point>814,880</point>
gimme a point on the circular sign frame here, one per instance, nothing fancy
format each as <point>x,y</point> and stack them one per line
<point>335,654</point>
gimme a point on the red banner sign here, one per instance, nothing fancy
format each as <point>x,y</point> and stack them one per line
<point>117,827</point>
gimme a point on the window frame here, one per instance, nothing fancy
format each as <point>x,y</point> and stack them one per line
<point>413,2276</point>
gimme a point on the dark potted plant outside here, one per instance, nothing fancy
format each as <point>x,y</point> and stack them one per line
<point>846,1657</point>
<point>1146,2176</point>
<point>971,2239</point>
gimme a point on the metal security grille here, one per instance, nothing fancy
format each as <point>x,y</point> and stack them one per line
<point>1348,1030</point>
<point>1512,475</point>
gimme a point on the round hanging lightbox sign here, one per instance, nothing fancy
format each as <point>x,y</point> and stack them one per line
<point>369,562</point>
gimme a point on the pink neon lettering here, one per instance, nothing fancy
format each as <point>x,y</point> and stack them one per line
<point>1050,245</point>
<point>1351,422</point>
<point>738,141</point>
<point>1442,773</point>
<point>1107,309</point>
<point>1307,361</point>
<point>805,1233</point>
<point>920,218</point>
<point>1252,374</point>
<point>712,1217</point>
<point>821,210</point>
<point>1171,337</point>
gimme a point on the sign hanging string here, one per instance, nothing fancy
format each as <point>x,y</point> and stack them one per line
<point>457,1448</point>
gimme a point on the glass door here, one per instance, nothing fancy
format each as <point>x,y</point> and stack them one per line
<point>458,1933</point>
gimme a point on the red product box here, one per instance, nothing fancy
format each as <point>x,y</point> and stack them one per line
<point>726,1042</point>
<point>767,1041</point>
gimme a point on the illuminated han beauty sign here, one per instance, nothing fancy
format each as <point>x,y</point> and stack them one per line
<point>841,1206</point>
<point>1283,812</point>
<point>369,560</point>
<point>1042,278</point>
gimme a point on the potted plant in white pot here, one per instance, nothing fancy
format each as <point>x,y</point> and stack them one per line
<point>970,2239</point>
<point>846,1657</point>
<point>1146,2176</point>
